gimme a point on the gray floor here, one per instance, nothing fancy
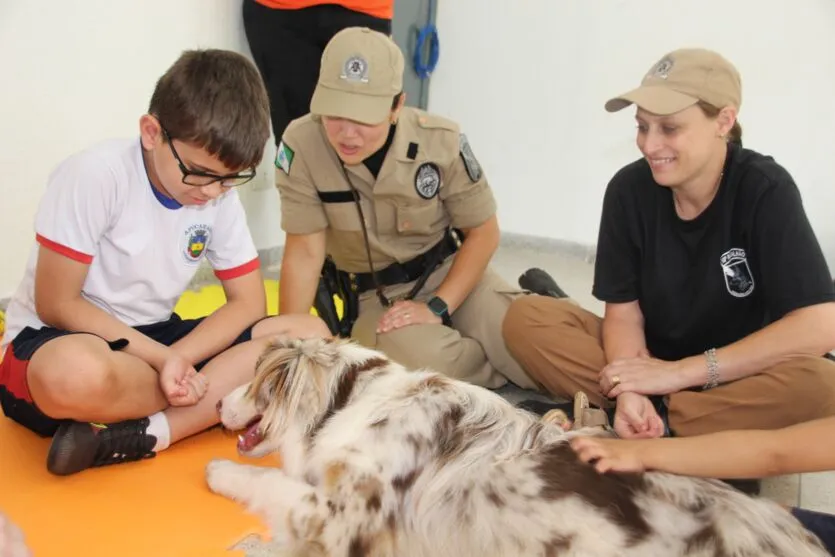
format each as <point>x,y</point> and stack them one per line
<point>572,268</point>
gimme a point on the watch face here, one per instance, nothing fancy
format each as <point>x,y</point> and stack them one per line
<point>437,306</point>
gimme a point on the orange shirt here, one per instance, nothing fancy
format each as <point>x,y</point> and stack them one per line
<point>377,8</point>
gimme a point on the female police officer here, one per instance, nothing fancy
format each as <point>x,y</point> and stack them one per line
<point>382,189</point>
<point>718,300</point>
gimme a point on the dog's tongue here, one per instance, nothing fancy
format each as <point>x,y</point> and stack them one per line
<point>251,438</point>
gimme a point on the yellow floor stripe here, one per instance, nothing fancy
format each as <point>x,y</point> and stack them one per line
<point>194,304</point>
<point>209,298</point>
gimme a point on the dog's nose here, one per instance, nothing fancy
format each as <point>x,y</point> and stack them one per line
<point>219,405</point>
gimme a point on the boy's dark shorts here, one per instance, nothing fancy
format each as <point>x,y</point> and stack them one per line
<point>15,398</point>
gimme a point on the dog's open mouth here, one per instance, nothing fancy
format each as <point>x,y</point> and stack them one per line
<point>252,437</point>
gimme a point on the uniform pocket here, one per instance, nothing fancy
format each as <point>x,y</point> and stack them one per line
<point>424,220</point>
<point>344,216</point>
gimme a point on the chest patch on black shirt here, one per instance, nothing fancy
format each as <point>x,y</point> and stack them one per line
<point>738,277</point>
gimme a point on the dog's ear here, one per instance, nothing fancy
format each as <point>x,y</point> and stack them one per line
<point>272,369</point>
<point>295,374</point>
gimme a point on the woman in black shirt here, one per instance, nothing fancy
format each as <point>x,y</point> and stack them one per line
<point>719,303</point>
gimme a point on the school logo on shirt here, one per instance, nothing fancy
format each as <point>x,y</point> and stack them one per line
<point>195,241</point>
<point>738,277</point>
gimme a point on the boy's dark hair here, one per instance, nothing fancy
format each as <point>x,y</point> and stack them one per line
<point>216,100</point>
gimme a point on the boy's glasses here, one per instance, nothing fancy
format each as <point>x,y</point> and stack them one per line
<point>199,178</point>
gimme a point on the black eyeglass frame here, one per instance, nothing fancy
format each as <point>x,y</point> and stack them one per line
<point>240,178</point>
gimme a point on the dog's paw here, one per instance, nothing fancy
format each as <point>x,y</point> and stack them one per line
<point>225,477</point>
<point>12,543</point>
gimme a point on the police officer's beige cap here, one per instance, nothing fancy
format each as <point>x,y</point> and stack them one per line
<point>681,79</point>
<point>361,72</point>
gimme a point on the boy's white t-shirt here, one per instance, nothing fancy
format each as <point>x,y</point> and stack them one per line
<point>142,249</point>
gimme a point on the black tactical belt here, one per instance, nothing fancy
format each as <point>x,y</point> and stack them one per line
<point>402,273</point>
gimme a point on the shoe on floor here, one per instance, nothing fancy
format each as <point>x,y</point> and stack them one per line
<point>77,446</point>
<point>540,282</point>
<point>579,412</point>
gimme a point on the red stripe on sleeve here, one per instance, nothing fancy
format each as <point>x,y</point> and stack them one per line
<point>64,250</point>
<point>239,271</point>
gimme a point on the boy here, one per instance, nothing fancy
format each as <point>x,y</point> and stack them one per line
<point>94,355</point>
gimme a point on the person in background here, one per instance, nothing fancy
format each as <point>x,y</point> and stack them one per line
<point>287,38</point>
<point>720,306</point>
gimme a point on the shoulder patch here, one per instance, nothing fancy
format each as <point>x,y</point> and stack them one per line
<point>284,157</point>
<point>470,162</point>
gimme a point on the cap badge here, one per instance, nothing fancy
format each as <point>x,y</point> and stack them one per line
<point>355,69</point>
<point>662,68</point>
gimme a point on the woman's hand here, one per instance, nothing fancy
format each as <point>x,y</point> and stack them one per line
<point>643,375</point>
<point>610,455</point>
<point>405,313</point>
<point>636,418</point>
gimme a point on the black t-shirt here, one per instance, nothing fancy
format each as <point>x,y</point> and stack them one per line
<point>748,259</point>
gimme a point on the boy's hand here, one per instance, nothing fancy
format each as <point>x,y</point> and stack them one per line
<point>611,455</point>
<point>180,382</point>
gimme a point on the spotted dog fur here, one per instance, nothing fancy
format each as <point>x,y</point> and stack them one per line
<point>382,461</point>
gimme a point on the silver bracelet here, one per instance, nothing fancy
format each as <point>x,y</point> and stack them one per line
<point>712,369</point>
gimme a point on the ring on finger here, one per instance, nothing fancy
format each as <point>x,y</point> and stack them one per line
<point>615,380</point>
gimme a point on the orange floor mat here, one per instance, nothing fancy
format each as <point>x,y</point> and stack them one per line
<point>160,507</point>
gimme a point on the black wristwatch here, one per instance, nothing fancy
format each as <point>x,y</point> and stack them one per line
<point>439,308</point>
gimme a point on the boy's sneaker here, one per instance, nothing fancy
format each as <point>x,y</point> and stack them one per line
<point>540,282</point>
<point>77,446</point>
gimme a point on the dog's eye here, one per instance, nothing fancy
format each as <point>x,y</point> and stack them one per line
<point>264,394</point>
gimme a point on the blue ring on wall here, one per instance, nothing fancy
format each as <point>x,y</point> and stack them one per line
<point>427,33</point>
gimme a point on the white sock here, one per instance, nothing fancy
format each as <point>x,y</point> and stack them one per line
<point>159,429</point>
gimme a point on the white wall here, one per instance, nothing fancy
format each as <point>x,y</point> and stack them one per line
<point>527,80</point>
<point>77,71</point>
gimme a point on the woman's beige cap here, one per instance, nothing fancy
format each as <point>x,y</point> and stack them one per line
<point>681,79</point>
<point>361,72</point>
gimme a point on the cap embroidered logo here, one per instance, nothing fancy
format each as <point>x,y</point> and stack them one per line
<point>355,69</point>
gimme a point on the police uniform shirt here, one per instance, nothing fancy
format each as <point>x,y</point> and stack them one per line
<point>746,261</point>
<point>429,181</point>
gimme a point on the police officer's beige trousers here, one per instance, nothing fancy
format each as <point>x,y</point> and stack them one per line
<point>472,350</point>
<point>560,345</point>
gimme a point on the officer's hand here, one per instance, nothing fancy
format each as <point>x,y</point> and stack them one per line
<point>405,313</point>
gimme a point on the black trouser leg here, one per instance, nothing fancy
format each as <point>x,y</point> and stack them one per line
<point>287,48</point>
